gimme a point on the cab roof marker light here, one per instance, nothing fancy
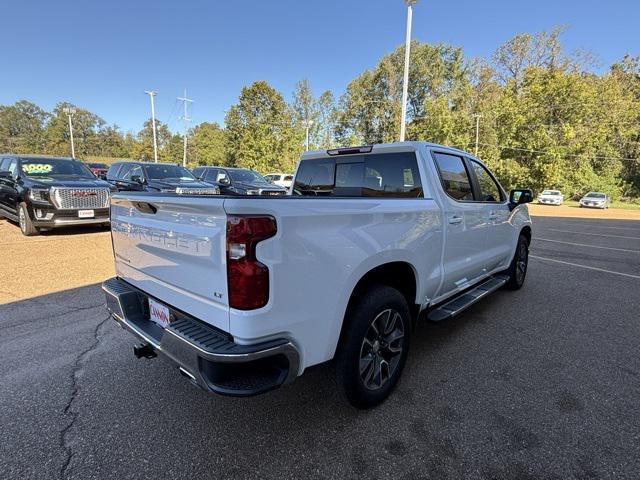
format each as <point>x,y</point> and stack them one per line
<point>350,150</point>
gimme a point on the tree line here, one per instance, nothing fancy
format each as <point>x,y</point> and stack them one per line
<point>544,118</point>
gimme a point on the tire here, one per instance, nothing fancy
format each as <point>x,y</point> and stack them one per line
<point>376,336</point>
<point>24,221</point>
<point>517,271</point>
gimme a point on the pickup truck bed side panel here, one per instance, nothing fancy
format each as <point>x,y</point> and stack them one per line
<point>177,254</point>
<point>322,249</point>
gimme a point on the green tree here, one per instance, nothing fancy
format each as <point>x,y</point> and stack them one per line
<point>86,126</point>
<point>208,145</point>
<point>22,127</point>
<point>142,149</point>
<point>261,131</point>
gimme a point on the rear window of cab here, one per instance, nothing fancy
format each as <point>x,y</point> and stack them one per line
<point>393,175</point>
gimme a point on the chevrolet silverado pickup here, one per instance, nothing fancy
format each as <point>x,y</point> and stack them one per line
<point>242,294</point>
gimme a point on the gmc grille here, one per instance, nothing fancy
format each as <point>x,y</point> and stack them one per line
<point>79,198</point>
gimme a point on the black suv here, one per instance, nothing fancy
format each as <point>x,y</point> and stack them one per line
<point>47,192</point>
<point>238,181</point>
<point>152,177</point>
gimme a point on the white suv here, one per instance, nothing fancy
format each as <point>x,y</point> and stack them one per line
<point>282,179</point>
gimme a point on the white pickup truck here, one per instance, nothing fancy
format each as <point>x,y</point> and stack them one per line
<point>243,294</point>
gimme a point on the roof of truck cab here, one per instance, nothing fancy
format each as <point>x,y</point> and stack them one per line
<point>387,147</point>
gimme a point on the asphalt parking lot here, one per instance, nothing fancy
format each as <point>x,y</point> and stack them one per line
<point>542,383</point>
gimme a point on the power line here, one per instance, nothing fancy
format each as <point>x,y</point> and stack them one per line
<point>594,157</point>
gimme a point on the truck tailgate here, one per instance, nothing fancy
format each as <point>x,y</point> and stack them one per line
<point>173,248</point>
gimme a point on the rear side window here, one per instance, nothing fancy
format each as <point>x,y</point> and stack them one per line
<point>454,176</point>
<point>392,175</point>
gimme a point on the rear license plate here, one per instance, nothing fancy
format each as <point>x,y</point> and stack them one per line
<point>86,214</point>
<point>159,313</point>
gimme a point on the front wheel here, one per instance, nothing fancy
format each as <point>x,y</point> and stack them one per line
<point>26,224</point>
<point>518,269</point>
<point>374,346</point>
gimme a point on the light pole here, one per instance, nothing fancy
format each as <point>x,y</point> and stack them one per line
<point>405,80</point>
<point>70,111</point>
<point>477,117</point>
<point>152,94</point>
<point>307,125</point>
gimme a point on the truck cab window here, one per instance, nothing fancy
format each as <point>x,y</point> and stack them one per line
<point>489,190</point>
<point>315,177</point>
<point>454,176</point>
<point>392,175</point>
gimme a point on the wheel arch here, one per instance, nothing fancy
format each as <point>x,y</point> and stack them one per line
<point>400,275</point>
<point>526,231</point>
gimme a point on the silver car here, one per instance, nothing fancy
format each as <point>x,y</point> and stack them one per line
<point>551,197</point>
<point>595,200</point>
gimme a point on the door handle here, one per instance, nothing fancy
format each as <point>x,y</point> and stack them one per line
<point>493,215</point>
<point>455,219</point>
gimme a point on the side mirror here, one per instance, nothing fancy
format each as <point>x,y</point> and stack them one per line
<point>224,181</point>
<point>5,174</point>
<point>519,196</point>
<point>137,179</point>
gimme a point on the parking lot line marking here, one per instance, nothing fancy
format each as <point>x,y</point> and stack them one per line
<point>586,266</point>
<point>585,245</point>
<point>594,234</point>
<point>602,226</point>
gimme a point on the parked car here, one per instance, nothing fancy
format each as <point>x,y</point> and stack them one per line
<point>281,179</point>
<point>243,294</point>
<point>238,181</point>
<point>595,200</point>
<point>551,197</point>
<point>46,192</point>
<point>98,169</point>
<point>155,177</point>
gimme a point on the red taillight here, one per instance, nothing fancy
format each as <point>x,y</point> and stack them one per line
<point>247,278</point>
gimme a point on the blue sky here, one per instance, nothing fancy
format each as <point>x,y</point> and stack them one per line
<point>103,55</point>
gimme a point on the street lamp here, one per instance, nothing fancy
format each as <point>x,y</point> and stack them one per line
<point>70,111</point>
<point>152,95</point>
<point>405,81</point>
<point>307,125</point>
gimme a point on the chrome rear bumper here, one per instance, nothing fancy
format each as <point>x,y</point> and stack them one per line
<point>205,355</point>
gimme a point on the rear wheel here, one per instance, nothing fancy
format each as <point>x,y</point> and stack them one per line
<point>26,225</point>
<point>518,269</point>
<point>374,346</point>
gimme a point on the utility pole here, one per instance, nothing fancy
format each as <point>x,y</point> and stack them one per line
<point>70,111</point>
<point>186,121</point>
<point>152,95</point>
<point>405,81</point>
<point>307,126</point>
<point>477,117</point>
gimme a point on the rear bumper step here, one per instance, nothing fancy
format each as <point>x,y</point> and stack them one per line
<point>206,356</point>
<point>463,301</point>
